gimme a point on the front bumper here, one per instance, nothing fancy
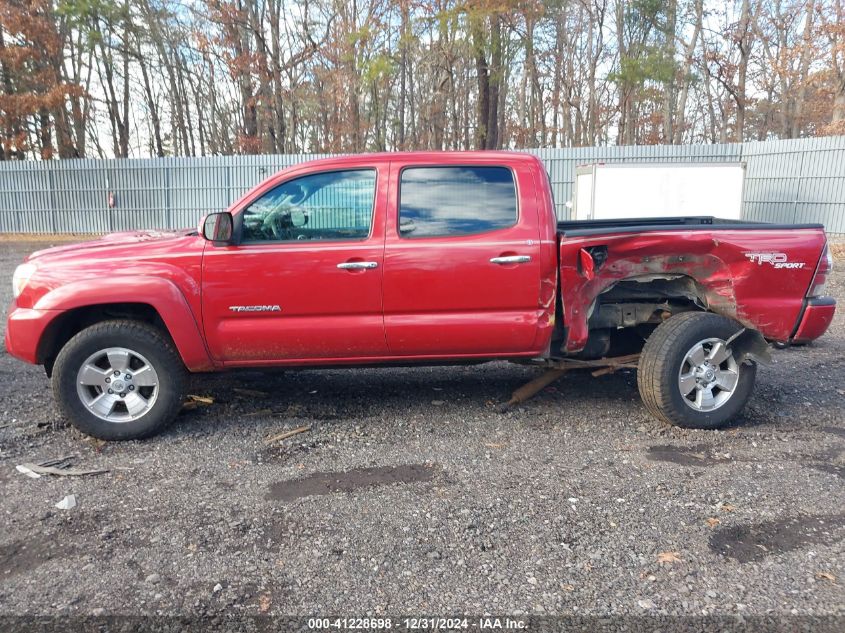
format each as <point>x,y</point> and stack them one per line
<point>816,319</point>
<point>24,329</point>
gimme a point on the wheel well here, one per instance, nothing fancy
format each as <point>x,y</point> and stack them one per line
<point>70,323</point>
<point>632,302</point>
<point>624,315</point>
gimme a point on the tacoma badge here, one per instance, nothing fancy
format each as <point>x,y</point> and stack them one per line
<point>255,308</point>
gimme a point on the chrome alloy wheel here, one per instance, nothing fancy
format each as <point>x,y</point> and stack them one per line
<point>708,375</point>
<point>117,384</point>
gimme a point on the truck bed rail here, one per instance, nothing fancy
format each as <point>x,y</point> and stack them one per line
<point>578,228</point>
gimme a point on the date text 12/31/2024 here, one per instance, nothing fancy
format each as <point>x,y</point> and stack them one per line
<point>485,623</point>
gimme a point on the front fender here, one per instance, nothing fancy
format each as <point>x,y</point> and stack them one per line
<point>163,295</point>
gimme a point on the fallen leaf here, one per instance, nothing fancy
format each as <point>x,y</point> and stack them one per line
<point>713,522</point>
<point>668,557</point>
<point>494,445</point>
<point>264,602</point>
<point>568,587</point>
<point>97,444</point>
<point>727,507</point>
<point>826,575</point>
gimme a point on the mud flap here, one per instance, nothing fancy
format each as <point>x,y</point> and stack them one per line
<point>750,345</point>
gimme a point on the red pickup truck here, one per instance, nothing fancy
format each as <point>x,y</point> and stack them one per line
<point>414,258</point>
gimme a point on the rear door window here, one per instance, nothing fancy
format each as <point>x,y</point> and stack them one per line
<point>455,200</point>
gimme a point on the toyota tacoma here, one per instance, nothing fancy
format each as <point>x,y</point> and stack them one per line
<point>414,258</point>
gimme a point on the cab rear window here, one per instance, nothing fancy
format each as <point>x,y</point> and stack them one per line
<point>455,200</point>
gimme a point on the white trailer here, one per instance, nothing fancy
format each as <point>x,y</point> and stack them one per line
<point>653,190</point>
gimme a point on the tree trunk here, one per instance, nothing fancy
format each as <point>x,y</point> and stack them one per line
<point>483,75</point>
<point>670,87</point>
<point>742,68</point>
<point>495,81</point>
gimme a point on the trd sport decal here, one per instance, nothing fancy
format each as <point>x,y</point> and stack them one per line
<point>778,260</point>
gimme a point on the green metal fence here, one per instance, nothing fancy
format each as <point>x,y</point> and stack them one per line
<point>800,180</point>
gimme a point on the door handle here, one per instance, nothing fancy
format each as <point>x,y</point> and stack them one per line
<point>357,265</point>
<point>511,259</point>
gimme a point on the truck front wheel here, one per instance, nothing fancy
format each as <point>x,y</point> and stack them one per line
<point>119,380</point>
<point>688,375</point>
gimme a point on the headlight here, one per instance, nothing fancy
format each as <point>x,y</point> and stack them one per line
<point>21,278</point>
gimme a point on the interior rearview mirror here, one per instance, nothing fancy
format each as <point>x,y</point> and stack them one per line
<point>218,227</point>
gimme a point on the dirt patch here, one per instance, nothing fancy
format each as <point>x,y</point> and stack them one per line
<point>348,481</point>
<point>24,555</point>
<point>748,543</point>
<point>684,456</point>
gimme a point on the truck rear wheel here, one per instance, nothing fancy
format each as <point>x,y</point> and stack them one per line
<point>119,380</point>
<point>688,375</point>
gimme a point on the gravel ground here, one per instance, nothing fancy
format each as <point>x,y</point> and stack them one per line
<point>411,494</point>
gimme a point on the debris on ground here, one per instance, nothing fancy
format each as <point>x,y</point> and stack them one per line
<point>668,557</point>
<point>286,434</point>
<point>534,387</point>
<point>21,468</point>
<point>192,402</point>
<point>556,369</point>
<point>68,503</point>
<point>59,467</point>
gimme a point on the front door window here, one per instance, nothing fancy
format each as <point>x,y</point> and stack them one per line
<point>334,205</point>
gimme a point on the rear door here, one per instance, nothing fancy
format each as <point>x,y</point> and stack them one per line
<point>462,269</point>
<point>305,282</point>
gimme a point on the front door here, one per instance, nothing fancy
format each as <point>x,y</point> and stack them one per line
<point>305,280</point>
<point>462,269</point>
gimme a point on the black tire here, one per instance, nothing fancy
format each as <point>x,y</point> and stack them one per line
<point>141,338</point>
<point>660,366</point>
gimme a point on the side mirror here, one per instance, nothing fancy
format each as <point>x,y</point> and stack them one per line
<point>218,228</point>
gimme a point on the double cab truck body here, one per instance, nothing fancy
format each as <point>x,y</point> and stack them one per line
<point>414,258</point>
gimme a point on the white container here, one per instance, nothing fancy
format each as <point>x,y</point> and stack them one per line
<point>653,190</point>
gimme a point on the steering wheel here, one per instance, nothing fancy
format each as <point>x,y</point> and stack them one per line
<point>278,222</point>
